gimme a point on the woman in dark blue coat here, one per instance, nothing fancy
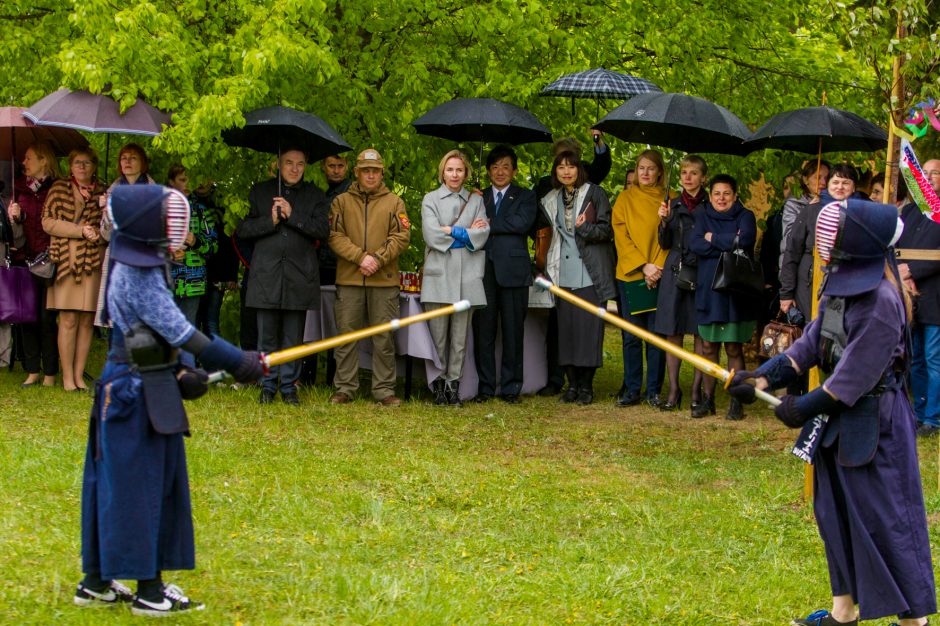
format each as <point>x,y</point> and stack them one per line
<point>723,318</point>
<point>868,498</point>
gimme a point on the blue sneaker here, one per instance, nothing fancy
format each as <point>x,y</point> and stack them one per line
<point>822,618</point>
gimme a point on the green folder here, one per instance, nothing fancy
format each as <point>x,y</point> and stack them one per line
<point>642,299</point>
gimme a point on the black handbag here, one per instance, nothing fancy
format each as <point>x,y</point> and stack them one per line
<point>42,266</point>
<point>738,273</point>
<point>686,275</point>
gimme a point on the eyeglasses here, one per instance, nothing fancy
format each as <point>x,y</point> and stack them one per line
<point>81,163</point>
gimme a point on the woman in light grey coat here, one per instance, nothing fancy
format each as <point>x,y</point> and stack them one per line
<point>454,225</point>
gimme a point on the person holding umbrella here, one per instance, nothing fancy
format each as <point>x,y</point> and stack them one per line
<point>40,348</point>
<point>285,218</point>
<point>675,304</point>
<point>867,492</point>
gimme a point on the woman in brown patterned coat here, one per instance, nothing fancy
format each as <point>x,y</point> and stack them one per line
<point>71,216</point>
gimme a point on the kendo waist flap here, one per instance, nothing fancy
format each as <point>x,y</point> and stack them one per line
<point>856,429</point>
<point>155,361</point>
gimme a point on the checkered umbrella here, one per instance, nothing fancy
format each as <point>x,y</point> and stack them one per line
<point>599,84</point>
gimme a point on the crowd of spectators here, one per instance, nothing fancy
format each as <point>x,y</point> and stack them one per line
<point>652,251</point>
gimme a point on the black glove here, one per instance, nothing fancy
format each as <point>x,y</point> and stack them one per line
<point>794,411</point>
<point>250,369</point>
<point>194,383</point>
<point>741,390</point>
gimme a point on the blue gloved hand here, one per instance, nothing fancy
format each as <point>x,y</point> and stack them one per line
<point>742,390</point>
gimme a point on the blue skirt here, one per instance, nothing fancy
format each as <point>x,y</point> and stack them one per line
<point>136,512</point>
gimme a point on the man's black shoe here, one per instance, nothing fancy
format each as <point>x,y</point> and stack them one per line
<point>928,430</point>
<point>290,398</point>
<point>570,395</point>
<point>266,397</point>
<point>480,398</point>
<point>628,399</point>
<point>511,398</point>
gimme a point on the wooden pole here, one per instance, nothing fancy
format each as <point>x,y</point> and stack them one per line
<point>892,157</point>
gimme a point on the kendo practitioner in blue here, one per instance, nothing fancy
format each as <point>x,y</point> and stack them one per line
<point>868,498</point>
<point>136,512</point>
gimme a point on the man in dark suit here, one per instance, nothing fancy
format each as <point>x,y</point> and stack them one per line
<point>506,278</point>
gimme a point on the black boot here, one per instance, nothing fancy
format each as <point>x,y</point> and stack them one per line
<point>705,407</point>
<point>571,392</point>
<point>735,410</point>
<point>437,388</point>
<point>586,385</point>
<point>452,392</point>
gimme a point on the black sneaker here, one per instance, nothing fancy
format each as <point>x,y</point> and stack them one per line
<point>113,595</point>
<point>173,602</point>
<point>822,618</point>
<point>290,398</point>
<point>266,397</point>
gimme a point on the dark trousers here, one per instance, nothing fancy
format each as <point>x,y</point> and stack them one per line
<point>40,341</point>
<point>506,309</point>
<point>556,373</point>
<point>633,351</point>
<point>279,329</point>
<point>248,321</point>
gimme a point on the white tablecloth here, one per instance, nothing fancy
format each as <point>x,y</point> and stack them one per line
<point>415,341</point>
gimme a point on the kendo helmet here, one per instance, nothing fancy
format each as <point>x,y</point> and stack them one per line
<point>149,221</point>
<point>855,238</point>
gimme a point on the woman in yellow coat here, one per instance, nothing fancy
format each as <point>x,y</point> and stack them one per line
<point>640,261</point>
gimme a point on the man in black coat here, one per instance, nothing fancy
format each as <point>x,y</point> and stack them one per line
<point>510,210</point>
<point>923,277</point>
<point>285,219</point>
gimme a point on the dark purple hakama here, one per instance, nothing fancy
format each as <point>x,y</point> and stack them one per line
<point>872,518</point>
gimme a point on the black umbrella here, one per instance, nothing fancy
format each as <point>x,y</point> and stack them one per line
<point>600,84</point>
<point>482,119</point>
<point>273,128</point>
<point>97,113</point>
<point>676,120</point>
<point>818,129</point>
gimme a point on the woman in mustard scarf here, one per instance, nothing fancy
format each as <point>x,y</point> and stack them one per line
<point>640,261</point>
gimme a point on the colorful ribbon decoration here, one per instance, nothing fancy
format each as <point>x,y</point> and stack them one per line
<point>918,186</point>
<point>922,117</point>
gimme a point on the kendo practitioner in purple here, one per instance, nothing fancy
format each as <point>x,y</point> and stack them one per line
<point>868,498</point>
<point>136,512</point>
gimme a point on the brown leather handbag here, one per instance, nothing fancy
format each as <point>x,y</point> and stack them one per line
<point>777,337</point>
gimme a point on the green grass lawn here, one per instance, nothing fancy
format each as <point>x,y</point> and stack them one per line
<point>537,513</point>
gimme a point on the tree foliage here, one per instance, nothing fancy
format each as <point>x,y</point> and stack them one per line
<point>370,68</point>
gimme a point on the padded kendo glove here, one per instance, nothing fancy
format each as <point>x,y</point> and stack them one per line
<point>778,371</point>
<point>794,411</point>
<point>194,383</point>
<point>244,366</point>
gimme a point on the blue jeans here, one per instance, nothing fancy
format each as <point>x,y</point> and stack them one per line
<point>925,373</point>
<point>213,306</point>
<point>633,351</point>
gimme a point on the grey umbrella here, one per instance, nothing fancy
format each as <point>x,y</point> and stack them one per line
<point>97,113</point>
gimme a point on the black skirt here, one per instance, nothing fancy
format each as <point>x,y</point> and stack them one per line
<point>580,334</point>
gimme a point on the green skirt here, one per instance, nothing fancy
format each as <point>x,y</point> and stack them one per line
<point>730,332</point>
